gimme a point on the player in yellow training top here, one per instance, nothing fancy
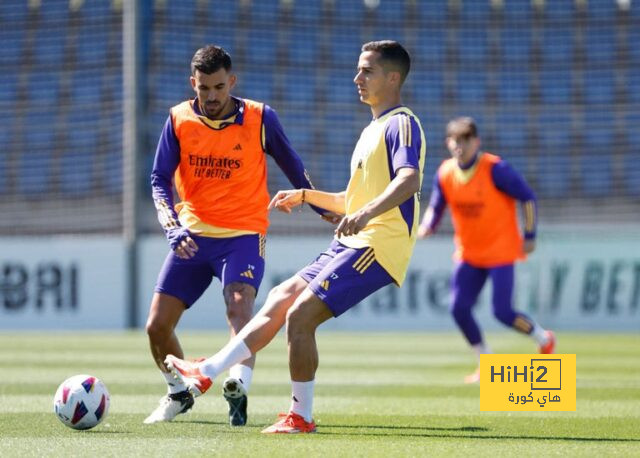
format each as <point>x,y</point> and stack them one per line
<point>371,249</point>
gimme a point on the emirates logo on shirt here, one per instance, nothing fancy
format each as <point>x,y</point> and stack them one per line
<point>211,166</point>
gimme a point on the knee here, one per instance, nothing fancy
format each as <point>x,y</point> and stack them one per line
<point>157,330</point>
<point>298,322</point>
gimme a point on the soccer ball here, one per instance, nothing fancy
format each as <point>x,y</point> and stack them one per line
<point>81,402</point>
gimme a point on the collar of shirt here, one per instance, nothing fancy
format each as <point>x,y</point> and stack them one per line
<point>471,163</point>
<point>236,117</point>
<point>387,111</point>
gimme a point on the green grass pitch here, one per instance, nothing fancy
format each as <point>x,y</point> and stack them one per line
<point>379,394</point>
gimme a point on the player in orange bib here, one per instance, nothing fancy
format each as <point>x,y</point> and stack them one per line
<point>214,149</point>
<point>481,191</point>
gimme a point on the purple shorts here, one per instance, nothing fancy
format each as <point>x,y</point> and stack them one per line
<point>342,276</point>
<point>233,259</point>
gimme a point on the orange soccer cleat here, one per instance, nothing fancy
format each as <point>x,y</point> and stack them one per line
<point>549,347</point>
<point>474,377</point>
<point>291,423</point>
<point>189,373</point>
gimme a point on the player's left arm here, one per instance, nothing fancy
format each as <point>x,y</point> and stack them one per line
<point>508,180</point>
<point>278,146</point>
<point>403,141</point>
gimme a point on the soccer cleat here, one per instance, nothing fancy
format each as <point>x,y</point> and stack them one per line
<point>236,396</point>
<point>170,407</point>
<point>189,373</point>
<point>549,347</point>
<point>292,423</point>
<point>473,377</point>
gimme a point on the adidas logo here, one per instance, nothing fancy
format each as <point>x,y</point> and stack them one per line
<point>325,285</point>
<point>247,273</point>
<point>238,147</point>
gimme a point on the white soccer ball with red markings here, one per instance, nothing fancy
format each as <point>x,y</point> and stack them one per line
<point>81,402</point>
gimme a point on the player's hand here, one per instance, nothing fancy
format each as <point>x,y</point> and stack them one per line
<point>187,248</point>
<point>286,200</point>
<point>331,217</point>
<point>424,232</point>
<point>529,246</point>
<point>352,224</point>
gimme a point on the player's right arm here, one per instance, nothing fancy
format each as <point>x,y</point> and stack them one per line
<point>435,211</point>
<point>165,164</point>
<point>286,200</point>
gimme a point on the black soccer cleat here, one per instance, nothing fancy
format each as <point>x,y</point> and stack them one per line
<point>236,396</point>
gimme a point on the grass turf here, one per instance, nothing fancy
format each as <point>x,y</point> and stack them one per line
<point>379,394</point>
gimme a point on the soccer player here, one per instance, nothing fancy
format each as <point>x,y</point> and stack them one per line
<point>481,190</point>
<point>372,245</point>
<point>214,147</point>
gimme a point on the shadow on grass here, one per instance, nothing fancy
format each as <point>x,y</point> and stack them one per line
<point>412,431</point>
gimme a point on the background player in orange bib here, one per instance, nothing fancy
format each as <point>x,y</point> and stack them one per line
<point>214,148</point>
<point>481,191</point>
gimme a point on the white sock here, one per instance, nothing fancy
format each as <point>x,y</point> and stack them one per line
<point>174,385</point>
<point>232,353</point>
<point>480,349</point>
<point>539,334</point>
<point>302,399</point>
<point>242,373</point>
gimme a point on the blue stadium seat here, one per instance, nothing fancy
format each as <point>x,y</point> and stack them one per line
<point>556,86</point>
<point>53,12</point>
<point>351,11</point>
<point>596,175</point>
<point>14,11</point>
<point>599,133</point>
<point>340,87</point>
<point>44,88</point>
<point>76,163</point>
<point>560,10</point>
<point>599,85</point>
<point>35,167</point>
<point>12,49</point>
<point>97,9</point>
<point>346,44</point>
<point>434,11</point>
<point>515,44</point>
<point>427,87</point>
<point>633,39</point>
<point>173,47</point>
<point>512,135</point>
<point>513,86</point>
<point>92,44</point>
<point>472,87</point>
<point>603,9</point>
<point>112,84</point>
<point>86,89</point>
<point>262,46</point>
<point>299,87</point>
<point>298,129</point>
<point>5,147</point>
<point>553,176</point>
<point>431,45</point>
<point>472,45</point>
<point>633,86</point>
<point>391,12</point>
<point>219,34</point>
<point>303,46</point>
<point>170,87</point>
<point>600,45</point>
<point>182,12</point>
<point>631,168</point>
<point>113,166</point>
<point>518,10</point>
<point>476,11</point>
<point>341,137</point>
<point>9,87</point>
<point>265,11</point>
<point>256,85</point>
<point>223,12</point>
<point>557,44</point>
<point>309,11</point>
<point>50,46</point>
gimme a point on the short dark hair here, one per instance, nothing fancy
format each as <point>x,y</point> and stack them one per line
<point>210,59</point>
<point>463,126</point>
<point>392,55</point>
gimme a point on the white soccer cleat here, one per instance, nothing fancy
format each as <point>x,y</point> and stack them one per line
<point>170,407</point>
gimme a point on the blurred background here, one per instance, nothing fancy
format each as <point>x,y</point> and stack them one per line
<point>554,86</point>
